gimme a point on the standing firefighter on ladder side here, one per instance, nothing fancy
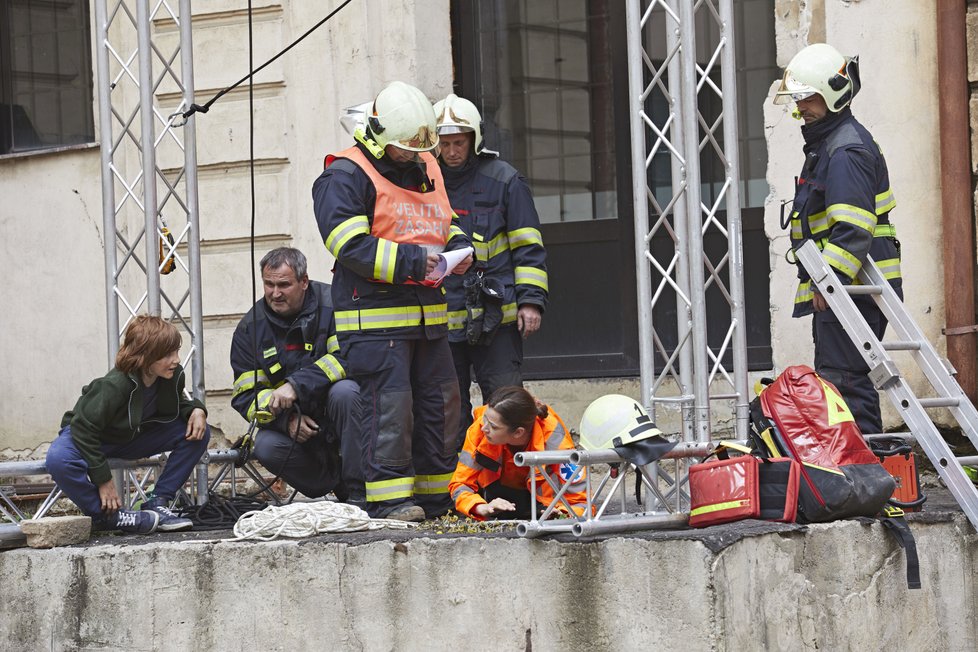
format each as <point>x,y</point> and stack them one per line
<point>505,293</point>
<point>383,213</point>
<point>842,202</point>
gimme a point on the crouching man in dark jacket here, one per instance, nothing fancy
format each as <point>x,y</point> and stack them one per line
<point>289,375</point>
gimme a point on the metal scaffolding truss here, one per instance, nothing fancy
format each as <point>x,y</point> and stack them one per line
<point>149,170</point>
<point>683,121</point>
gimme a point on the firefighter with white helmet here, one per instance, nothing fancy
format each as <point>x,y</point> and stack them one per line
<point>383,213</point>
<point>843,202</point>
<point>501,300</point>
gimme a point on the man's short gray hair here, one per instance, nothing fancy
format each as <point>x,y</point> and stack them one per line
<point>286,256</point>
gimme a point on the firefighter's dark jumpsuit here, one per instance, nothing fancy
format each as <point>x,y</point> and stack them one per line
<point>496,210</point>
<point>380,219</point>
<point>843,202</point>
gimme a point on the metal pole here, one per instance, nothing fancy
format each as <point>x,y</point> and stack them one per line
<point>731,146</point>
<point>680,223</point>
<point>148,150</point>
<point>190,165</point>
<point>108,194</point>
<point>633,22</point>
<point>697,309</point>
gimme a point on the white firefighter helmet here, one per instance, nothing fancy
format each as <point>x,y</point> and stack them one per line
<point>457,115</point>
<point>620,422</point>
<point>402,116</point>
<point>821,69</point>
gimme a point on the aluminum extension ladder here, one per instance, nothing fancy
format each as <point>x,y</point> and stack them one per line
<point>886,376</point>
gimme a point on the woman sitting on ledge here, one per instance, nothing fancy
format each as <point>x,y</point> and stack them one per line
<point>487,483</point>
<point>136,410</point>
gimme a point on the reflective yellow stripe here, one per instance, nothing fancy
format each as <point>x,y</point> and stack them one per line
<point>890,268</point>
<point>509,313</point>
<point>331,367</point>
<point>332,344</point>
<point>481,249</point>
<point>354,226</point>
<point>822,468</point>
<point>841,260</point>
<point>885,202</point>
<point>498,245</point>
<point>524,237</point>
<point>804,293</point>
<point>269,352</point>
<point>248,380</point>
<point>385,260</point>
<point>389,489</point>
<point>352,320</point>
<point>436,314</point>
<point>796,232</point>
<point>275,368</point>
<point>851,215</point>
<point>532,276</point>
<point>719,507</point>
<point>432,484</point>
<point>454,230</point>
<point>818,222</point>
<point>261,400</point>
<point>884,231</point>
<point>456,320</point>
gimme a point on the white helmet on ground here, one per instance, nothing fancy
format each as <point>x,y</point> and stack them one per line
<point>402,116</point>
<point>620,422</point>
<point>821,69</point>
<point>457,115</point>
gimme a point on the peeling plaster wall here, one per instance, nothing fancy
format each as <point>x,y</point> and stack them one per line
<point>898,104</point>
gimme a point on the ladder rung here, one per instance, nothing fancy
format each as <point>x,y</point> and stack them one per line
<point>901,345</point>
<point>939,402</point>
<point>971,460</point>
<point>863,289</point>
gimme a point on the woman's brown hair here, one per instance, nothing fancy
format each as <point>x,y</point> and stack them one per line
<point>517,407</point>
<point>148,339</point>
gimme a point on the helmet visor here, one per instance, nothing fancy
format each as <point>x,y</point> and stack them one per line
<point>792,90</point>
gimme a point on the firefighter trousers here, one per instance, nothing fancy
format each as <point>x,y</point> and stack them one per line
<point>494,366</point>
<point>409,419</point>
<point>838,361</point>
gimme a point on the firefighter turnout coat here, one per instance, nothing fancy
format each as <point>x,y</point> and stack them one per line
<point>381,220</point>
<point>302,351</point>
<point>482,463</point>
<point>843,202</point>
<point>496,210</point>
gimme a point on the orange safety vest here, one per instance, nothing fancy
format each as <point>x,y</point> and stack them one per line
<point>402,215</point>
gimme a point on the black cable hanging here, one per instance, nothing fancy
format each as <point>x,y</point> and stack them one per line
<point>197,108</point>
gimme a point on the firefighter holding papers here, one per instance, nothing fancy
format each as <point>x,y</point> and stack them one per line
<point>842,202</point>
<point>383,213</point>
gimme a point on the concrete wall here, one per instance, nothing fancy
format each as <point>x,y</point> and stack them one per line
<point>898,104</point>
<point>831,587</point>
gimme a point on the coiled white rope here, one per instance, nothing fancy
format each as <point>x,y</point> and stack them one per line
<point>300,520</point>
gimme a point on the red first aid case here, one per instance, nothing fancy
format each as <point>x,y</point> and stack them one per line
<point>724,490</point>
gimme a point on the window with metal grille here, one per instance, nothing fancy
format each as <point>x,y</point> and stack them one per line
<point>45,75</point>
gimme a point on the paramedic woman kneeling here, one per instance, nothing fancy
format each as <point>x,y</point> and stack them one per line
<point>487,483</point>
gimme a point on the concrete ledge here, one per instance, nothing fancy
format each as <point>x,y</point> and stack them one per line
<point>834,586</point>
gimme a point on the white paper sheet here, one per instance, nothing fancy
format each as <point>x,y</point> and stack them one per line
<point>447,261</point>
